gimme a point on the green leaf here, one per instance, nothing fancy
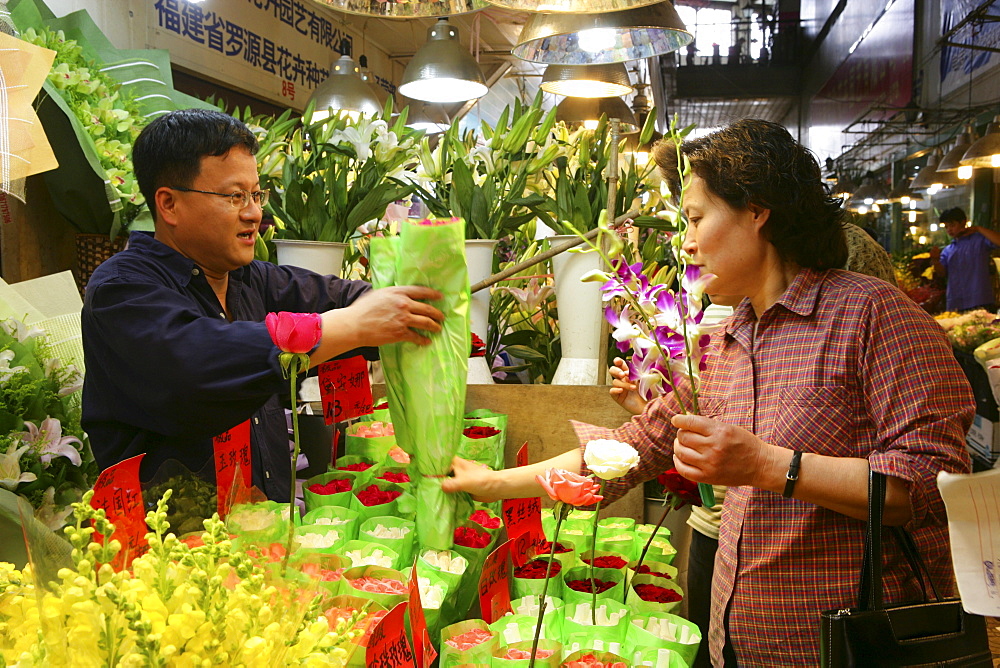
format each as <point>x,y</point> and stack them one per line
<point>525,353</point>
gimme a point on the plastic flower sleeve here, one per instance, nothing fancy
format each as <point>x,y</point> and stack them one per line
<point>467,642</point>
<point>664,631</point>
<point>658,658</point>
<point>393,532</point>
<point>516,655</point>
<point>585,658</point>
<point>581,576</point>
<point>612,624</point>
<point>426,384</point>
<point>372,447</point>
<point>654,594</point>
<point>363,553</point>
<point>329,489</point>
<point>482,442</point>
<point>385,586</point>
<point>520,627</point>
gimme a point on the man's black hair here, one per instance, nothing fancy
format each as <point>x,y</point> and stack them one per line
<point>169,150</point>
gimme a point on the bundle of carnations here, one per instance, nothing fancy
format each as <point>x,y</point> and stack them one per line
<point>427,416</point>
<point>177,605</point>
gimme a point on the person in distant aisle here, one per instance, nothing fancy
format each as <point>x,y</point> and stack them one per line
<point>966,263</point>
<point>174,338</point>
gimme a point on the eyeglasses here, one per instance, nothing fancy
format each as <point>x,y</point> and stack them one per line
<point>239,199</point>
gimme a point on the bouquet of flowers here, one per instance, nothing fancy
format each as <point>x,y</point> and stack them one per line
<point>44,454</point>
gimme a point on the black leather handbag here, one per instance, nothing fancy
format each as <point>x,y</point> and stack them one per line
<point>927,633</point>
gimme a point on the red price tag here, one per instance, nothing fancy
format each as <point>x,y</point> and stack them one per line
<point>345,390</point>
<point>522,515</point>
<point>117,491</point>
<point>526,547</point>
<point>388,646</point>
<point>233,476</point>
<point>422,647</point>
<point>494,584</point>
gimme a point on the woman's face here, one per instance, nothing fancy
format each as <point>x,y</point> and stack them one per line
<point>724,241</point>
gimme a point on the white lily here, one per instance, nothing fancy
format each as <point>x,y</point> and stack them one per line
<point>6,370</point>
<point>21,331</point>
<point>10,468</point>
<point>48,441</point>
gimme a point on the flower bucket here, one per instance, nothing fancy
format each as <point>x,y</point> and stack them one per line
<point>567,559</point>
<point>444,563</point>
<point>392,472</point>
<point>473,629</point>
<point>317,500</point>
<point>521,625</point>
<point>658,658</point>
<point>321,539</point>
<point>671,590</point>
<point>644,530</point>
<point>587,657</point>
<point>582,573</point>
<point>664,631</point>
<point>479,255</point>
<point>660,550</point>
<point>402,546</point>
<point>532,586</point>
<point>488,450</point>
<point>549,654</point>
<point>613,526</point>
<point>323,257</point>
<point>611,628</point>
<point>355,551</point>
<point>381,489</point>
<point>373,448</point>
<point>360,466</point>
<point>655,567</point>
<point>603,558</point>
<point>579,307</point>
<point>498,420</point>
<point>374,575</point>
<point>341,517</point>
<point>623,543</point>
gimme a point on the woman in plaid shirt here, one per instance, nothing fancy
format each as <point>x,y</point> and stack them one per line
<point>839,367</point>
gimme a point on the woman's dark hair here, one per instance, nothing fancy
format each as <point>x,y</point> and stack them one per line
<point>758,162</point>
<point>169,150</point>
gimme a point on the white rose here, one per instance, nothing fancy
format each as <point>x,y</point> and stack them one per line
<point>610,459</point>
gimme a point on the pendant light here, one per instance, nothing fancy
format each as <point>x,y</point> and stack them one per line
<point>951,162</point>
<point>845,188</point>
<point>443,70</point>
<point>610,80</point>
<point>902,192</point>
<point>406,10</point>
<point>427,117</point>
<point>985,151</point>
<point>871,191</point>
<point>608,37</point>
<point>931,179</point>
<point>571,6</point>
<point>344,92</point>
<point>587,111</point>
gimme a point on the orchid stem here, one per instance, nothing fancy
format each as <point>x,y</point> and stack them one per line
<point>560,514</point>
<point>593,556</point>
<point>645,549</point>
<point>293,380</point>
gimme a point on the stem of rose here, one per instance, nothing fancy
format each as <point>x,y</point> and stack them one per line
<point>293,380</point>
<point>545,586</point>
<point>593,555</point>
<point>645,549</point>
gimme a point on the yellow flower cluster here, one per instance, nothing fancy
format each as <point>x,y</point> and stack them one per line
<point>177,605</point>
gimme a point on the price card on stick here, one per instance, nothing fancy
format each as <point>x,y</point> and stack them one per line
<point>423,650</point>
<point>118,493</point>
<point>233,477</point>
<point>494,584</point>
<point>522,515</point>
<point>388,646</point>
<point>344,389</point>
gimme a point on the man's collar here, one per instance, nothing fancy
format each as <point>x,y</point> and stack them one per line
<point>800,298</point>
<point>182,268</point>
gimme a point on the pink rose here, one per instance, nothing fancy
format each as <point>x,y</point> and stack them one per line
<point>294,332</point>
<point>571,488</point>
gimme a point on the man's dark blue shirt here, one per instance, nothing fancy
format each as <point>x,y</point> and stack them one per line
<point>167,370</point>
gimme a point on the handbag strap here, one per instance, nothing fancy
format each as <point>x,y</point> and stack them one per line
<point>870,591</point>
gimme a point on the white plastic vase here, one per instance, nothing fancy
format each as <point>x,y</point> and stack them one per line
<point>580,315</point>
<point>323,257</point>
<point>479,258</point>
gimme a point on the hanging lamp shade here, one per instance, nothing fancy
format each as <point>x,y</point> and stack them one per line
<point>951,162</point>
<point>608,37</point>
<point>427,117</point>
<point>902,192</point>
<point>587,111</point>
<point>985,151</point>
<point>344,91</point>
<point>930,176</point>
<point>571,6</point>
<point>641,152</point>
<point>394,9</point>
<point>609,80</point>
<point>830,176</point>
<point>443,70</point>
<point>845,187</point>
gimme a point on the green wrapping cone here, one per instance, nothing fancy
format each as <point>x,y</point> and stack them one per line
<point>341,517</point>
<point>356,551</point>
<point>603,657</point>
<point>578,629</point>
<point>652,606</point>
<point>488,451</point>
<point>389,601</point>
<point>668,632</point>
<point>571,596</point>
<point>546,646</point>
<point>343,499</point>
<point>402,546</point>
<point>374,448</point>
<point>479,654</point>
<point>426,384</point>
<point>658,658</point>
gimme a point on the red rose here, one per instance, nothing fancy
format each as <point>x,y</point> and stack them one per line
<point>478,348</point>
<point>535,569</point>
<point>679,490</point>
<point>650,592</point>
<point>483,519</point>
<point>480,432</point>
<point>332,487</point>
<point>568,487</point>
<point>373,496</point>
<point>469,537</point>
<point>606,562</point>
<point>381,406</point>
<point>395,477</point>
<point>545,547</point>
<point>294,332</point>
<point>360,466</point>
<point>643,569</point>
<point>583,585</point>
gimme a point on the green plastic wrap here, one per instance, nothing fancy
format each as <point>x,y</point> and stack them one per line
<point>426,384</point>
<point>607,658</point>
<point>318,539</point>
<point>658,658</point>
<point>401,546</point>
<point>571,596</point>
<point>388,601</point>
<point>552,661</point>
<point>356,551</point>
<point>652,606</point>
<point>578,629</point>
<point>668,632</point>
<point>488,451</point>
<point>375,448</point>
<point>533,586</point>
<point>480,654</point>
<point>341,517</point>
<point>342,499</point>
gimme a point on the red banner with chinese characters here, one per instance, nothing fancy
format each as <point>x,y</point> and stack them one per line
<point>118,493</point>
<point>423,650</point>
<point>522,515</point>
<point>344,389</point>
<point>233,476</point>
<point>388,646</point>
<point>494,584</point>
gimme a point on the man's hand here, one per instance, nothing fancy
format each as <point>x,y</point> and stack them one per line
<point>624,390</point>
<point>391,315</point>
<point>707,450</point>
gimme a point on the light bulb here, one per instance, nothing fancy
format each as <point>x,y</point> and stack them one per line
<point>641,158</point>
<point>590,125</point>
<point>862,210</point>
<point>913,228</point>
<point>922,240</point>
<point>933,189</point>
<point>913,204</point>
<point>876,208</point>
<point>905,199</point>
<point>869,201</point>
<point>995,160</point>
<point>913,219</point>
<point>965,172</point>
<point>934,227</point>
<point>596,39</point>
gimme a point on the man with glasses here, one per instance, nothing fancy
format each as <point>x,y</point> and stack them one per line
<point>173,327</point>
